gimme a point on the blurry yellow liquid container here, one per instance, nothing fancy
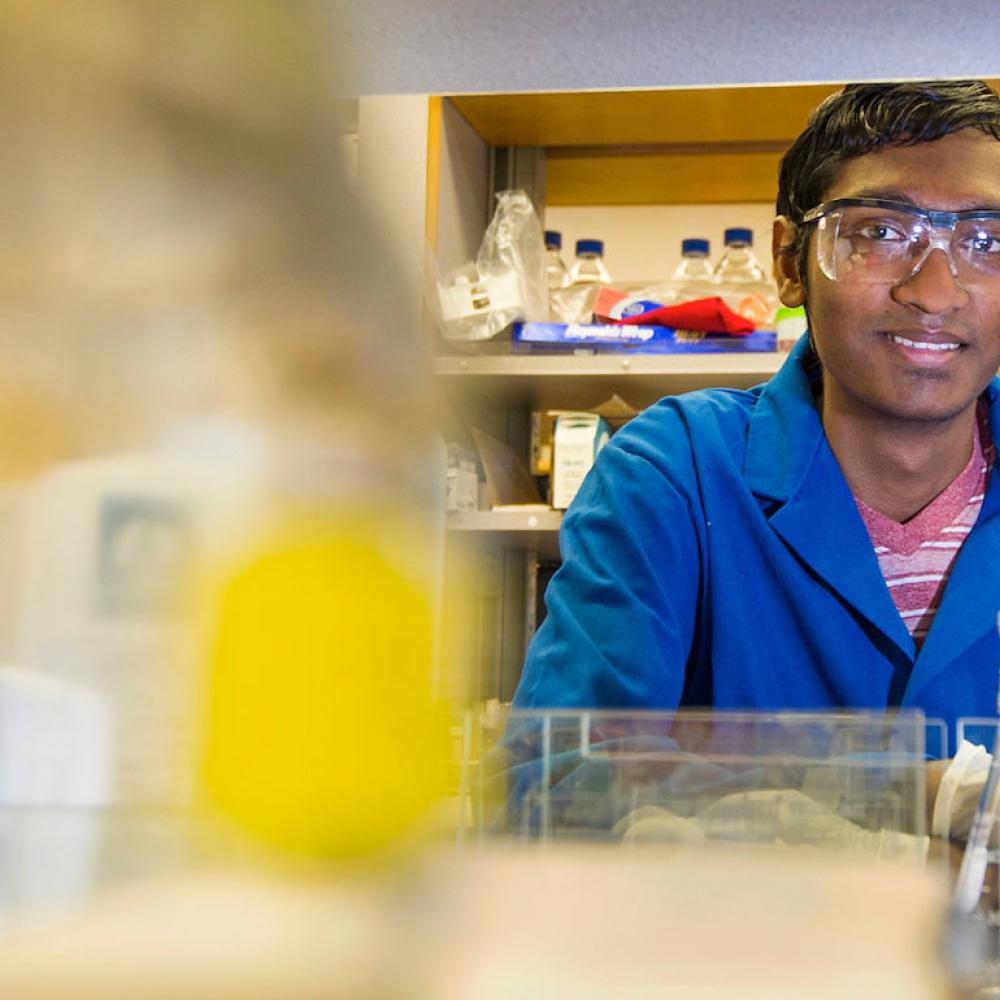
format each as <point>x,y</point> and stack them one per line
<point>323,735</point>
<point>223,528</point>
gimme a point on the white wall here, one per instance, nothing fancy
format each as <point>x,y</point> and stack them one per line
<point>642,243</point>
<point>392,180</point>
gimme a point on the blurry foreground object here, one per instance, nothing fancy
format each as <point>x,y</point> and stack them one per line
<point>323,733</point>
<point>214,447</point>
<point>569,922</point>
<point>848,783</point>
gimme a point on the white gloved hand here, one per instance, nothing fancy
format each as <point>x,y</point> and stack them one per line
<point>960,790</point>
<point>655,825</point>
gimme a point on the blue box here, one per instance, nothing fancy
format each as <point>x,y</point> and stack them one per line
<point>602,338</point>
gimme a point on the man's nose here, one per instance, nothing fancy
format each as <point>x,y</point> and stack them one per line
<point>933,286</point>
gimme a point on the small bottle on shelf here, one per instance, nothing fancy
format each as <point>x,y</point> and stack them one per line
<point>556,272</point>
<point>738,264</point>
<point>693,277</point>
<point>588,268</point>
<point>741,282</point>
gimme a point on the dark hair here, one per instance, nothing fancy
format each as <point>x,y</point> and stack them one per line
<point>865,117</point>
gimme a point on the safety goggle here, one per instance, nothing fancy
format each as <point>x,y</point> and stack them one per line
<point>874,241</point>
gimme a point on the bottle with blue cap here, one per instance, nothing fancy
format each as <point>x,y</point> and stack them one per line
<point>738,263</point>
<point>693,277</point>
<point>588,268</point>
<point>556,272</point>
<point>741,282</point>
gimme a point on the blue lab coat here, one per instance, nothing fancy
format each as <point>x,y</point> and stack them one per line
<point>715,556</point>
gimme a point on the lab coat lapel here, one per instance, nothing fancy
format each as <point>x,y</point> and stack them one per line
<point>972,595</point>
<point>821,523</point>
<point>791,469</point>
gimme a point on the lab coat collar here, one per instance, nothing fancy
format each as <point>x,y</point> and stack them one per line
<point>791,468</point>
<point>785,429</point>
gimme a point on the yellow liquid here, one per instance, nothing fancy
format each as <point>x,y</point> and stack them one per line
<point>323,737</point>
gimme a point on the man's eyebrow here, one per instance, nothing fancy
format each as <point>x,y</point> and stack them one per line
<point>886,194</point>
<point>894,194</point>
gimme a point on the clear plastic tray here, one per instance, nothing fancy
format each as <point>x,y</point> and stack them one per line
<point>848,782</point>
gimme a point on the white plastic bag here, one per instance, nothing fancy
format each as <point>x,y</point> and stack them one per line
<point>506,282</point>
<point>574,303</point>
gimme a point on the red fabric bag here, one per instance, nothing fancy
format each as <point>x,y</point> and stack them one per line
<point>710,315</point>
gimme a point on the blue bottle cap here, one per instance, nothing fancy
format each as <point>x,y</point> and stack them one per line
<point>553,239</point>
<point>694,246</point>
<point>590,246</point>
<point>738,236</point>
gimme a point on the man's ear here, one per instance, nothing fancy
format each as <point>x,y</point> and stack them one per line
<point>791,289</point>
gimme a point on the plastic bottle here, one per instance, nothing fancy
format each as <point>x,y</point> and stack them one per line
<point>556,272</point>
<point>588,268</point>
<point>741,282</point>
<point>693,277</point>
<point>789,324</point>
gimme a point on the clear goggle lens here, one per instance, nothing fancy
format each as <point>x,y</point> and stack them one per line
<point>868,241</point>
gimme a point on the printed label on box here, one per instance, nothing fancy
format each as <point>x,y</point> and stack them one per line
<point>639,339</point>
<point>492,293</point>
<point>578,439</point>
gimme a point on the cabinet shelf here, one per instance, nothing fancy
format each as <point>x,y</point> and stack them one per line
<point>679,117</point>
<point>718,144</point>
<point>532,528</point>
<point>583,381</point>
<point>640,147</point>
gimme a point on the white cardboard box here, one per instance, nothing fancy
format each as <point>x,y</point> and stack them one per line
<point>578,439</point>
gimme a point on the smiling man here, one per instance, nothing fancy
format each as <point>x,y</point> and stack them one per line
<point>831,538</point>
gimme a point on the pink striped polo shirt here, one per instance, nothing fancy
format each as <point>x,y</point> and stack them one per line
<point>916,557</point>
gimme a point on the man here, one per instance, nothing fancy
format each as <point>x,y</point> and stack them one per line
<point>831,538</point>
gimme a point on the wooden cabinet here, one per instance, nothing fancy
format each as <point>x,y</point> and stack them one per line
<point>611,148</point>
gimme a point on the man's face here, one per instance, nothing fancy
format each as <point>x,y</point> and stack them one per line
<point>880,343</point>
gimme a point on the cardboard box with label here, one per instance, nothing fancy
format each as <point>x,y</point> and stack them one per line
<point>578,438</point>
<point>543,427</point>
